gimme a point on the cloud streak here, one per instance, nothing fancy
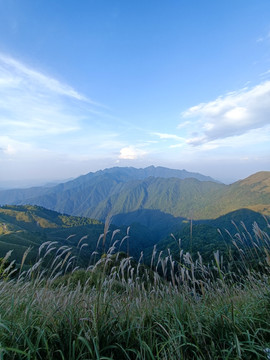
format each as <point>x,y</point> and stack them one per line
<point>33,105</point>
<point>40,111</point>
<point>19,73</point>
<point>165,136</point>
<point>231,115</point>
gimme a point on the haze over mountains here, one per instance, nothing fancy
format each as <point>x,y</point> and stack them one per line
<point>125,192</point>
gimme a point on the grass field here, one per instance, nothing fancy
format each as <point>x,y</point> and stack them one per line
<point>120,309</point>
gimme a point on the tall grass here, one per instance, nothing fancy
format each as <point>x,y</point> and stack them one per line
<point>121,309</point>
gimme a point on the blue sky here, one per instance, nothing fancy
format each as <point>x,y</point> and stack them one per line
<point>86,85</point>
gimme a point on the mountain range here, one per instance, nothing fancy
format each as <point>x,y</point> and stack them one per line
<point>145,195</point>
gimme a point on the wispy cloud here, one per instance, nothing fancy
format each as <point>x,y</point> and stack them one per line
<point>39,110</point>
<point>184,124</point>
<point>19,73</point>
<point>33,104</point>
<point>165,136</point>
<point>48,128</point>
<point>265,74</point>
<point>231,115</point>
<point>263,38</point>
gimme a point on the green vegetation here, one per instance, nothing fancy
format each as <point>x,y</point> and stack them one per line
<point>24,226</point>
<point>28,226</point>
<point>37,216</point>
<point>189,197</point>
<point>123,192</point>
<point>120,309</point>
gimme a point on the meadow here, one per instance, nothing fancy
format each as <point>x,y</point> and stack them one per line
<point>182,308</point>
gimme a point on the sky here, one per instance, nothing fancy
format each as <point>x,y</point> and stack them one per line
<point>91,84</point>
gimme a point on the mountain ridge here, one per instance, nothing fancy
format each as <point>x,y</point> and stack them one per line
<point>116,191</point>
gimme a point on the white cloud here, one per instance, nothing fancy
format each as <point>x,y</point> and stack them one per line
<point>236,114</point>
<point>169,136</point>
<point>249,142</point>
<point>176,145</point>
<point>131,153</point>
<point>231,115</point>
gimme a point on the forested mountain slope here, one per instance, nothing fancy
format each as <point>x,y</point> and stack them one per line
<point>123,192</point>
<point>27,227</point>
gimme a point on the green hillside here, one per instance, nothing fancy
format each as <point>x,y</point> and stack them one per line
<point>188,198</point>
<point>180,198</point>
<point>208,236</point>
<point>23,227</point>
<point>28,226</point>
<point>252,193</point>
<point>121,191</point>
